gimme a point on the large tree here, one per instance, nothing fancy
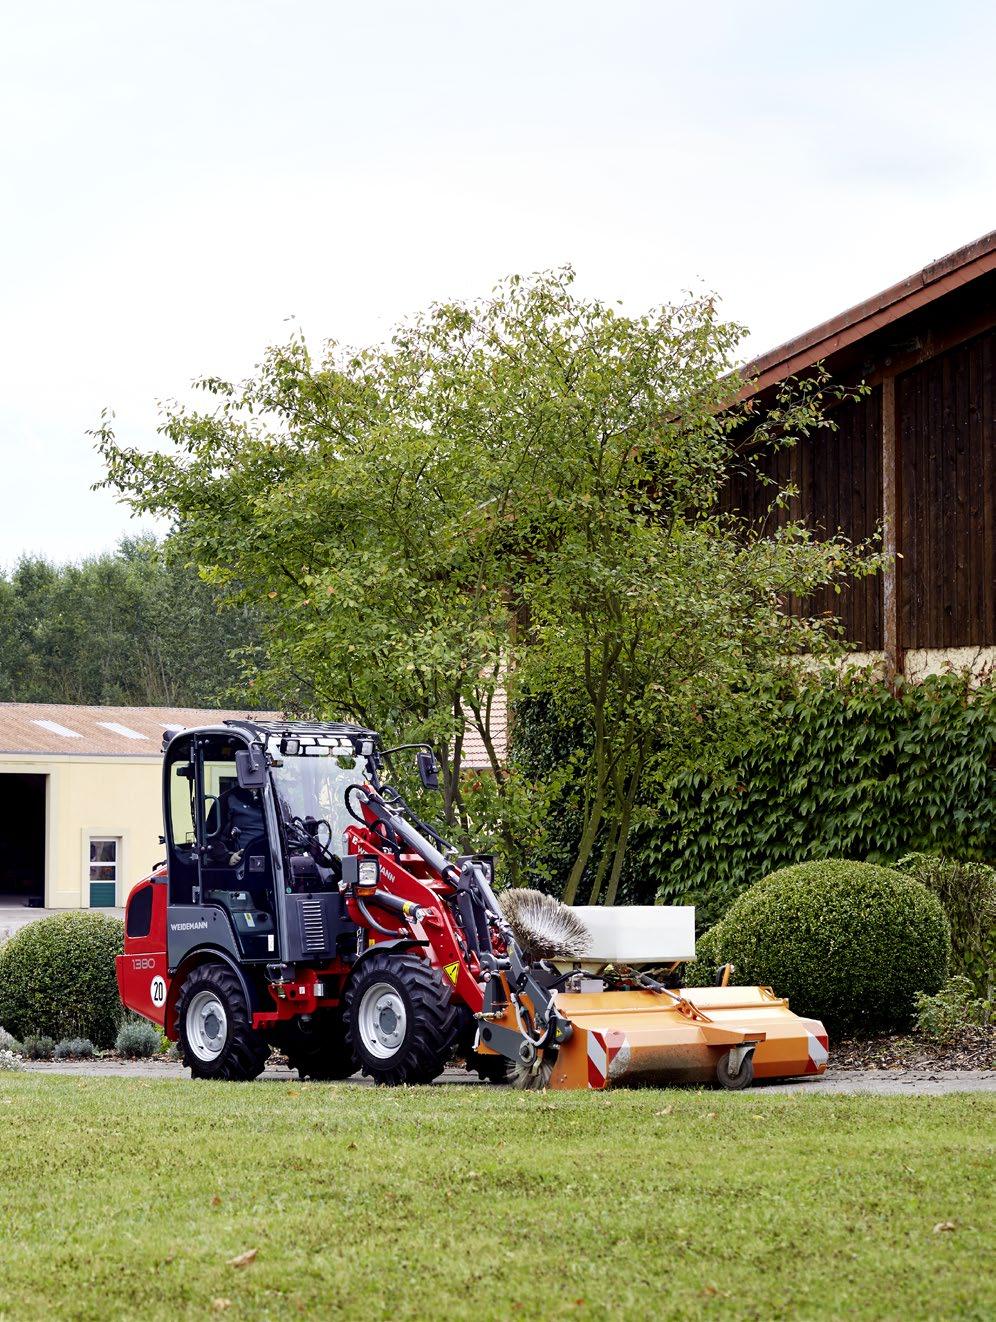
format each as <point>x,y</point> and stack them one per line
<point>519,492</point>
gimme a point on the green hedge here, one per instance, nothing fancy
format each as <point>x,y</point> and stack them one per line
<point>57,978</point>
<point>967,890</point>
<point>847,769</point>
<point>849,943</point>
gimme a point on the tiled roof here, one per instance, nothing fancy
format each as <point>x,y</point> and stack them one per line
<point>55,728</point>
<point>47,728</point>
<point>475,755</point>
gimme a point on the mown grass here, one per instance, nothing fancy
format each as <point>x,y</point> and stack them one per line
<point>126,1198</point>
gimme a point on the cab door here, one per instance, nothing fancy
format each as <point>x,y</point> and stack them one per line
<point>235,867</point>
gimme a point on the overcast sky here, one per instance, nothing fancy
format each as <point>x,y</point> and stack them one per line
<point>179,179</point>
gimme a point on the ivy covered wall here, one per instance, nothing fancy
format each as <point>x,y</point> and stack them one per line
<point>848,769</point>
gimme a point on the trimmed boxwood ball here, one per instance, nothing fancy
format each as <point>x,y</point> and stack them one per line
<point>848,943</point>
<point>57,978</point>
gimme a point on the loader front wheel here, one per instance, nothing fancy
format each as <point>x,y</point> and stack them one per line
<point>735,1077</point>
<point>400,1023</point>
<point>214,1025</point>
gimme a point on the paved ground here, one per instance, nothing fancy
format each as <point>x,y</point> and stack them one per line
<point>881,1082</point>
<point>13,916</point>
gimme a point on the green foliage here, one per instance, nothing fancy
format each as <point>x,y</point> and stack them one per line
<point>702,970</point>
<point>845,768</point>
<point>947,1015</point>
<point>130,628</point>
<point>523,491</point>
<point>8,1042</point>
<point>137,1040</point>
<point>967,890</point>
<point>848,943</point>
<point>37,1046</point>
<point>57,977</point>
<point>74,1048</point>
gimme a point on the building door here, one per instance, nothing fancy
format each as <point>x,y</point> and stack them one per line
<point>22,839</point>
<point>104,859</point>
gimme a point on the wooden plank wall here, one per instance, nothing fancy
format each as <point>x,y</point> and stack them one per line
<point>838,474</point>
<point>946,425</point>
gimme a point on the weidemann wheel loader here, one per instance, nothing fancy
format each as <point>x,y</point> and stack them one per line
<point>304,906</point>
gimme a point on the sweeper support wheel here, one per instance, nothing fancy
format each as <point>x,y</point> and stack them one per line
<point>735,1069</point>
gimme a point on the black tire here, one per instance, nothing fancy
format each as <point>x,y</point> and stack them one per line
<point>742,1078</point>
<point>400,997</point>
<point>317,1049</point>
<point>237,1051</point>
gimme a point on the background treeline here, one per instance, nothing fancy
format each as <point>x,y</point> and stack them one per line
<point>127,628</point>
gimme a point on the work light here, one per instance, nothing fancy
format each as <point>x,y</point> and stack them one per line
<point>367,874</point>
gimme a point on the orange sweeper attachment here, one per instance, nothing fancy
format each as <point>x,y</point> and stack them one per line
<point>304,906</point>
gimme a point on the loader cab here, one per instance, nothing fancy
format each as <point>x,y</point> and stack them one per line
<point>220,857</point>
<point>255,818</point>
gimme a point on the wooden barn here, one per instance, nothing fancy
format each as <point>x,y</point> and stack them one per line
<point>917,456</point>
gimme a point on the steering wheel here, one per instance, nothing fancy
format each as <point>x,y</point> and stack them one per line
<point>309,835</point>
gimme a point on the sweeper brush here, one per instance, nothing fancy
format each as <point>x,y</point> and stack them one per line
<point>543,927</point>
<point>304,906</point>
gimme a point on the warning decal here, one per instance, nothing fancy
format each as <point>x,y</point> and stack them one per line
<point>451,970</point>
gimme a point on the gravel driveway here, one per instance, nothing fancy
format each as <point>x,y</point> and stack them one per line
<point>918,1082</point>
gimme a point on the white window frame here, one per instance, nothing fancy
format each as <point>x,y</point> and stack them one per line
<point>103,837</point>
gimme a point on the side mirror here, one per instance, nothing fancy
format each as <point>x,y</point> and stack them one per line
<point>428,771</point>
<point>250,768</point>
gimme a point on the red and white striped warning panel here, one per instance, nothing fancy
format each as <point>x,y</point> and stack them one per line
<point>608,1053</point>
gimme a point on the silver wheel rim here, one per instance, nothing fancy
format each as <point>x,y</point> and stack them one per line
<point>382,1020</point>
<point>207,1026</point>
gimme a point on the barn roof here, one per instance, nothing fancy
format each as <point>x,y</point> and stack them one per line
<point>48,729</point>
<point>58,728</point>
<point>916,291</point>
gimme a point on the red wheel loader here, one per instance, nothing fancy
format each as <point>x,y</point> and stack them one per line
<point>304,906</point>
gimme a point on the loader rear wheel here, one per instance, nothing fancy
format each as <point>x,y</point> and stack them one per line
<point>214,1025</point>
<point>317,1049</point>
<point>735,1078</point>
<point>400,1024</point>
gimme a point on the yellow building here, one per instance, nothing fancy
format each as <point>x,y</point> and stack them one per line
<point>80,800</point>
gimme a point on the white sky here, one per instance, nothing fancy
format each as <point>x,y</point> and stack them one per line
<point>178,179</point>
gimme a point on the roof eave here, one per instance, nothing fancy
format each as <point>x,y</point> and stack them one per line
<point>930,283</point>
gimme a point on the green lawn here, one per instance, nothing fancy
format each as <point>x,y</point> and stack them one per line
<point>128,1198</point>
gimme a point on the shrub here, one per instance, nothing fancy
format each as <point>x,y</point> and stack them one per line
<point>75,1048</point>
<point>702,970</point>
<point>57,977</point>
<point>39,1047</point>
<point>968,893</point>
<point>10,1060</point>
<point>953,1010</point>
<point>848,943</point>
<point>8,1042</point>
<point>137,1040</point>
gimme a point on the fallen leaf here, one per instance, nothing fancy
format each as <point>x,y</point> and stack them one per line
<point>667,1111</point>
<point>943,1225</point>
<point>216,1201</point>
<point>243,1259</point>
<point>219,1305</point>
<point>350,1147</point>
